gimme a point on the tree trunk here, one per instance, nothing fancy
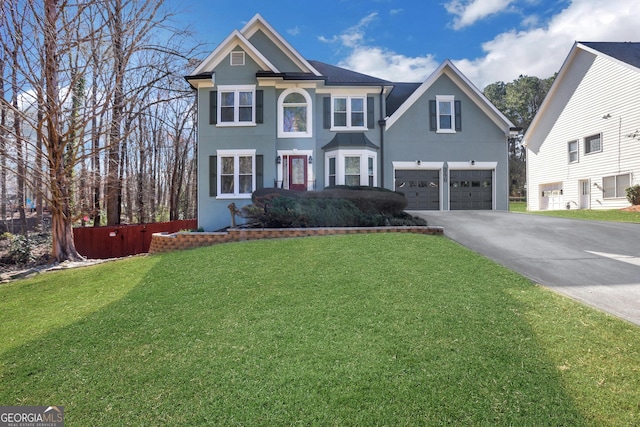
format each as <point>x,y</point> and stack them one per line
<point>63,247</point>
<point>114,191</point>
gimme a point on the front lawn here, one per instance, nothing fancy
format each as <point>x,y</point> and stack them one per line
<point>380,329</point>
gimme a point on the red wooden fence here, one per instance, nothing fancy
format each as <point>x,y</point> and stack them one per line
<point>123,240</point>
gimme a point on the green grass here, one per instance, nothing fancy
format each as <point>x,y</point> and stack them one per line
<point>383,329</point>
<point>613,215</point>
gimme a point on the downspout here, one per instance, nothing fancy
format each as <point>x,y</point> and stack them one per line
<point>382,124</point>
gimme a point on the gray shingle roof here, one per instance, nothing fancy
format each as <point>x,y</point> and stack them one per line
<point>349,140</point>
<point>623,51</point>
<point>399,94</point>
<point>341,76</point>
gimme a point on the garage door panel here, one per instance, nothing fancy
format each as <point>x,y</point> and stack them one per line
<point>420,187</point>
<point>471,189</point>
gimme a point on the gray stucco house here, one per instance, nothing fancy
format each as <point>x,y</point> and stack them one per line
<point>267,117</point>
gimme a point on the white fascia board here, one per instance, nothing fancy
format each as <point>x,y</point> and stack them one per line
<point>468,166</point>
<point>234,39</point>
<point>465,85</point>
<point>414,165</point>
<point>414,96</point>
<point>259,23</point>
<point>530,135</point>
<point>610,58</point>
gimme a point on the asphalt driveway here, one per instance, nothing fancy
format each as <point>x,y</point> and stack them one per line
<point>595,262</point>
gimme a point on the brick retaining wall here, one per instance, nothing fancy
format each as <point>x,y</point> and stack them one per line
<point>164,242</point>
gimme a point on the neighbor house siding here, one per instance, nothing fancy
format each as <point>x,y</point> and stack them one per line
<point>606,88</point>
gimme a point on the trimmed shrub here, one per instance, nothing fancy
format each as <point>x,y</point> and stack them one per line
<point>286,212</point>
<point>633,195</point>
<point>336,206</point>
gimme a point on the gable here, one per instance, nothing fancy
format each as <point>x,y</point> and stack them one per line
<point>276,55</point>
<point>258,24</point>
<point>458,82</point>
<point>560,93</point>
<point>234,41</point>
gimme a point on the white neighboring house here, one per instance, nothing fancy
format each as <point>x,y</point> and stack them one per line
<point>583,148</point>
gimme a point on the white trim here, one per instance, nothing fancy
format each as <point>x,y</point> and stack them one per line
<point>237,58</point>
<point>415,166</point>
<point>236,154</point>
<point>469,166</point>
<point>420,165</point>
<point>348,112</point>
<point>280,116</point>
<point>295,152</point>
<point>340,154</point>
<point>258,23</point>
<point>236,106</point>
<point>473,165</point>
<point>449,99</point>
<point>226,47</point>
<point>465,85</point>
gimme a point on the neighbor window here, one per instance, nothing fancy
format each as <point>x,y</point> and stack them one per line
<point>236,105</point>
<point>616,186</point>
<point>573,151</point>
<point>294,107</point>
<point>236,173</point>
<point>351,167</point>
<point>349,112</point>
<point>593,144</point>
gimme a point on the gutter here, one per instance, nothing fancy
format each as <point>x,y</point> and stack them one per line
<point>382,124</point>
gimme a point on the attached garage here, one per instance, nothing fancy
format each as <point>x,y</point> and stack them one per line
<point>421,188</point>
<point>470,189</point>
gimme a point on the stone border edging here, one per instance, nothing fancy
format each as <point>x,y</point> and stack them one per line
<point>167,242</point>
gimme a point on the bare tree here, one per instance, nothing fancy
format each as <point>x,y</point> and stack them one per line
<point>74,68</point>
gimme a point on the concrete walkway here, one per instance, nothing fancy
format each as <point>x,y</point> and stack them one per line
<point>597,263</point>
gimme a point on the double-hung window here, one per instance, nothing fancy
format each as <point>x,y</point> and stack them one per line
<point>236,173</point>
<point>616,186</point>
<point>445,114</point>
<point>572,147</point>
<point>349,112</point>
<point>445,111</point>
<point>236,105</point>
<point>593,144</point>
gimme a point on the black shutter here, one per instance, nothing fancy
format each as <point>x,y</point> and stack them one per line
<point>370,117</point>
<point>458,110</point>
<point>213,107</point>
<point>259,171</point>
<point>259,106</point>
<point>433,119</point>
<point>326,112</point>
<point>213,176</point>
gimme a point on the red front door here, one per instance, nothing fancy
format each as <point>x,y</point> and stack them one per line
<point>298,173</point>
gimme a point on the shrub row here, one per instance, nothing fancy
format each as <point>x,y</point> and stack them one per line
<point>338,206</point>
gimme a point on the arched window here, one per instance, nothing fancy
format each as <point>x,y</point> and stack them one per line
<point>294,114</point>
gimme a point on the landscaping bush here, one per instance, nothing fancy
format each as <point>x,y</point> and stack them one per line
<point>633,195</point>
<point>277,211</point>
<point>337,206</point>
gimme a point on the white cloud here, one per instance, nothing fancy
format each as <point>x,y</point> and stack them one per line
<point>294,31</point>
<point>388,65</point>
<point>534,51</point>
<point>468,12</point>
<point>541,51</point>
<point>352,37</point>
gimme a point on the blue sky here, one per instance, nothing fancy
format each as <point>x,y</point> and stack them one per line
<point>400,40</point>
